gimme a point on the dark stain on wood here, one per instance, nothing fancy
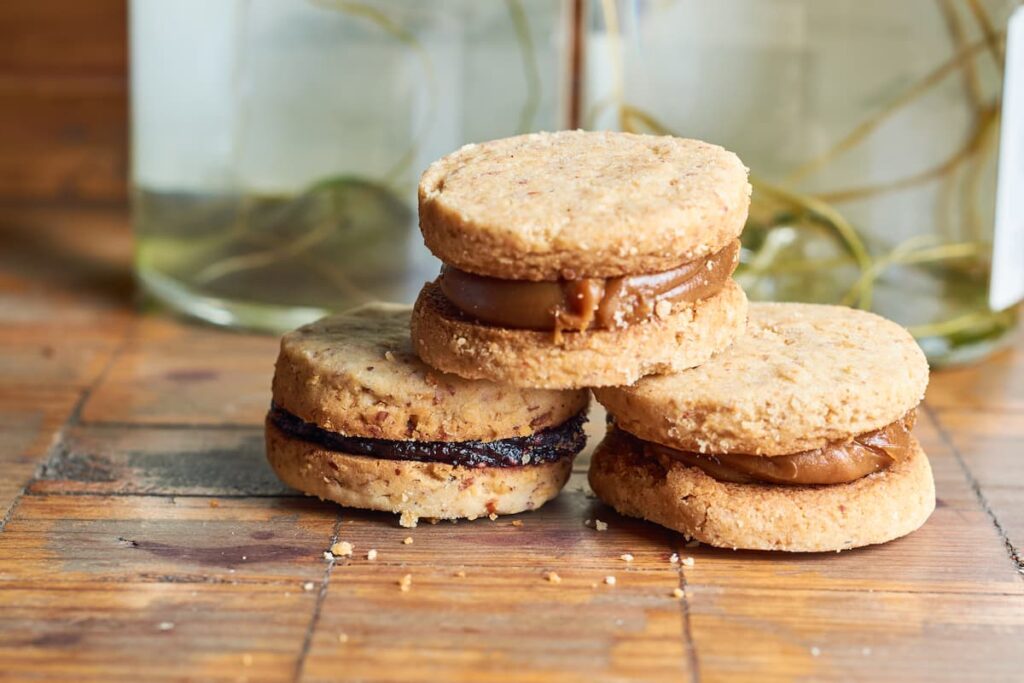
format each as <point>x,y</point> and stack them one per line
<point>59,639</point>
<point>227,467</point>
<point>79,467</point>
<point>195,375</point>
<point>222,556</point>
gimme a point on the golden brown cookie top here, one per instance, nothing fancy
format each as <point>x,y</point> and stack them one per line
<point>574,204</point>
<point>804,375</point>
<point>355,373</point>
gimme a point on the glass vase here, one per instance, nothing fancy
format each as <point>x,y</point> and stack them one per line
<point>871,129</point>
<point>277,144</point>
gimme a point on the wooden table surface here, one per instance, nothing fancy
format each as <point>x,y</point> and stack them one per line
<point>143,537</point>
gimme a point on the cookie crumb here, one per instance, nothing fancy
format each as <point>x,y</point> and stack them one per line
<point>593,585</point>
<point>460,574</point>
<point>247,659</point>
<point>677,593</point>
<point>552,577</point>
<point>815,651</point>
<point>492,516</point>
<point>610,580</point>
<point>626,557</point>
<point>389,356</point>
<point>328,555</point>
<point>405,583</point>
<point>308,586</point>
<point>866,651</point>
<point>342,549</point>
<point>342,637</point>
<point>687,561</point>
<point>673,558</point>
<point>408,520</point>
<point>166,626</point>
<point>371,554</point>
<point>407,540</point>
<point>600,526</point>
<point>215,503</point>
<point>517,522</point>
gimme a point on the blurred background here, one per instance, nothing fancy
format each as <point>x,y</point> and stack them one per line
<point>264,154</point>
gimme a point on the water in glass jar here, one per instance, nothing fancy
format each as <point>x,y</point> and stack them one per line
<point>276,145</point>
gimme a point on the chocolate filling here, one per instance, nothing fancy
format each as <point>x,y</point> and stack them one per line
<point>548,445</point>
<point>586,303</point>
<point>837,463</point>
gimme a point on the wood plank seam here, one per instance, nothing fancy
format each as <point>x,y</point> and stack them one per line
<point>158,494</point>
<point>688,641</point>
<point>307,641</point>
<point>72,420</point>
<point>1013,552</point>
<point>170,426</point>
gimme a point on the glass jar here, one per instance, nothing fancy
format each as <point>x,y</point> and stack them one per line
<point>277,144</point>
<point>871,129</point>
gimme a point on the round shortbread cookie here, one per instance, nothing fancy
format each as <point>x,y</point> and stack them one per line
<point>804,375</point>
<point>410,488</point>
<point>356,374</point>
<point>686,337</point>
<point>874,509</point>
<point>572,204</point>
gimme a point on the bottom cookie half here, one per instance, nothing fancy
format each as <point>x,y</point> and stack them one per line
<point>410,488</point>
<point>444,338</point>
<point>874,509</point>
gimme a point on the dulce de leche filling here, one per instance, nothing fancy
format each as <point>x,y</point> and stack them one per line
<point>588,302</point>
<point>836,463</point>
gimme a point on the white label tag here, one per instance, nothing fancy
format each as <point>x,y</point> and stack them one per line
<point>1007,284</point>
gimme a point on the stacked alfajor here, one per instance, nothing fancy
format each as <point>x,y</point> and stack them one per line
<point>581,259</point>
<point>796,438</point>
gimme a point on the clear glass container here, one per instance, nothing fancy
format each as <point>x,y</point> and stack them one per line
<point>277,143</point>
<point>871,128</point>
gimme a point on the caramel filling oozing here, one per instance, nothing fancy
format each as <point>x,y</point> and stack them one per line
<point>836,463</point>
<point>587,303</point>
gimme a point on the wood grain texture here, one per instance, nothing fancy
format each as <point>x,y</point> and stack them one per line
<point>144,537</point>
<point>63,100</point>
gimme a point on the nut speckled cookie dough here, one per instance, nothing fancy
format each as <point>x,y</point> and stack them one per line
<point>802,376</point>
<point>796,438</point>
<point>596,204</point>
<point>683,338</point>
<point>874,509</point>
<point>359,419</point>
<point>577,259</point>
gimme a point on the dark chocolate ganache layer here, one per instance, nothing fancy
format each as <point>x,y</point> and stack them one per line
<point>548,445</point>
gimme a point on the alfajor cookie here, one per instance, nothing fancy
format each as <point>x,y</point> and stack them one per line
<point>577,259</point>
<point>796,438</point>
<point>357,418</point>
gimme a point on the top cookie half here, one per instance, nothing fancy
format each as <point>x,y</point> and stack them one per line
<point>355,374</point>
<point>803,376</point>
<point>572,204</point>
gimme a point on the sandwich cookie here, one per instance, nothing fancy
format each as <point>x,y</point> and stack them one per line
<point>578,259</point>
<point>358,419</point>
<point>797,438</point>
